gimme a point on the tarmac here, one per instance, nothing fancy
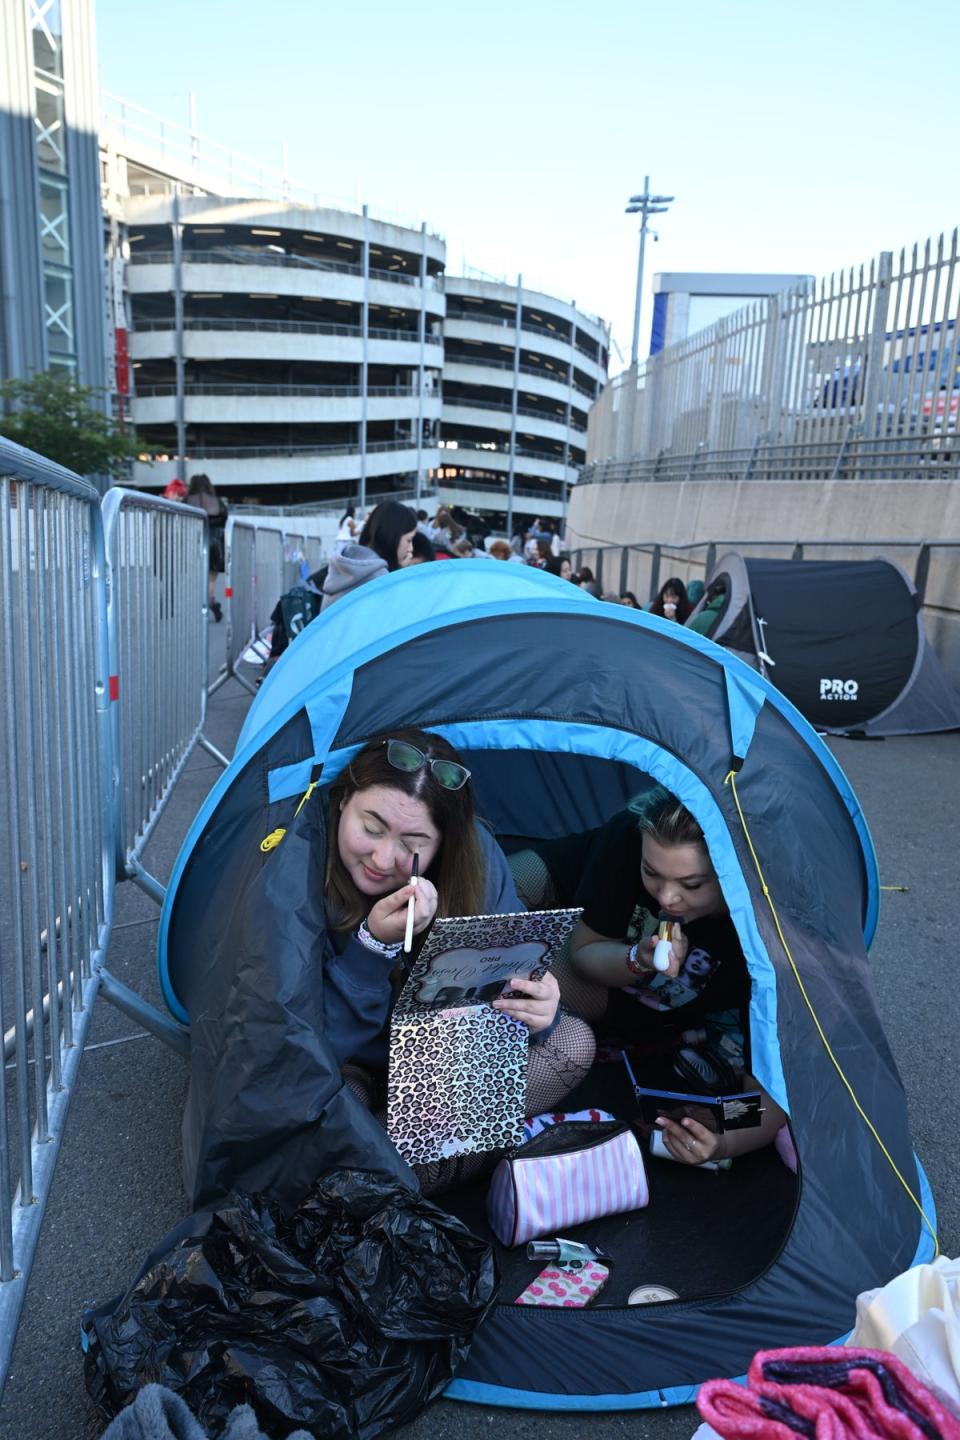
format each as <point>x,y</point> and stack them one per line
<point>117,1188</point>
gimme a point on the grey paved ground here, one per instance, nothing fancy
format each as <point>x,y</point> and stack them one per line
<point>118,1187</point>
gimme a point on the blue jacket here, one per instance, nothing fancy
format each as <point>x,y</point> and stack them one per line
<point>357,996</point>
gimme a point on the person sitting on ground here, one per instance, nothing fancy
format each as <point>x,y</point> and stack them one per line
<point>652,858</point>
<point>386,544</point>
<point>404,794</point>
<point>462,549</point>
<point>706,618</point>
<point>672,602</point>
<point>630,600</point>
<point>500,550</point>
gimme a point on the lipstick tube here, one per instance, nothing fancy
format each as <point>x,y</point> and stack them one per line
<point>661,951</point>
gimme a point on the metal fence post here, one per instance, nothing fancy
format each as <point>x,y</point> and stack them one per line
<point>655,573</point>
<point>876,346</point>
<point>922,572</point>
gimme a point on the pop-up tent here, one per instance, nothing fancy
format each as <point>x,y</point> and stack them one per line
<point>563,707</point>
<point>842,639</point>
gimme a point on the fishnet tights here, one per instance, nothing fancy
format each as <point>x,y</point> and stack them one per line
<point>554,1068</point>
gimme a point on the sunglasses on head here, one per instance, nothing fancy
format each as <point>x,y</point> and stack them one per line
<point>407,758</point>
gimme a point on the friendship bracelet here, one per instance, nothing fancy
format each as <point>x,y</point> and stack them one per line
<point>633,964</point>
<point>379,947</point>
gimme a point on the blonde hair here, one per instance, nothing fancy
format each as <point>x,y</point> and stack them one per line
<point>660,815</point>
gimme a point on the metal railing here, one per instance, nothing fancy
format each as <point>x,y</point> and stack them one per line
<point>292,327</point>
<point>852,458</point>
<point>263,562</point>
<point>157,566</point>
<point>103,674</point>
<point>254,255</point>
<point>241,255</point>
<point>499,447</point>
<point>537,372</point>
<point>504,323</point>
<point>254,452</point>
<point>241,388</point>
<point>56,871</point>
<point>854,376</point>
<point>505,408</point>
<point>284,327</point>
<point>639,567</point>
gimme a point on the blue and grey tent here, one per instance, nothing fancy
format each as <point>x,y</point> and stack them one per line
<point>843,639</point>
<point>564,707</point>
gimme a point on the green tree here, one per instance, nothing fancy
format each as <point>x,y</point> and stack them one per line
<point>52,414</point>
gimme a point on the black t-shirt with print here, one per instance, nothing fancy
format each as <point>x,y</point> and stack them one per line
<point>615,904</point>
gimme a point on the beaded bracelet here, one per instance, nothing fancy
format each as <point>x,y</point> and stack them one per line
<point>633,964</point>
<point>379,947</point>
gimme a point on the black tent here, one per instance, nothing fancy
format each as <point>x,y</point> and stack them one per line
<point>563,707</point>
<point>842,639</point>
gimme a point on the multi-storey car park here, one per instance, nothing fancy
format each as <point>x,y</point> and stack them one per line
<point>298,351</point>
<point>515,398</point>
<point>289,353</point>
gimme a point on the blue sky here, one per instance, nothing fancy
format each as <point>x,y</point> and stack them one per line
<point>795,137</point>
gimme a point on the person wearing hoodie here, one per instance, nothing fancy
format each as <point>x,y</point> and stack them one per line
<point>385,544</point>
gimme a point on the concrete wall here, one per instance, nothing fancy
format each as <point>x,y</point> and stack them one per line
<point>682,513</point>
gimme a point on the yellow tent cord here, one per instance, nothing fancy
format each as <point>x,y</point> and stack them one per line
<point>273,839</point>
<point>732,782</point>
<point>305,797</point>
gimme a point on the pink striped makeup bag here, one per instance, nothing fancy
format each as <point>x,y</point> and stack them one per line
<point>569,1173</point>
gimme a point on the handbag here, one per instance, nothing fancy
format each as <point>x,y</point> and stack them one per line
<point>567,1174</point>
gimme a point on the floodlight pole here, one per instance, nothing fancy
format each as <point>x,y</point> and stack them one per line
<point>645,205</point>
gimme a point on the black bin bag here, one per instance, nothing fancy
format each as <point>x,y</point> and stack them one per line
<point>344,1316</point>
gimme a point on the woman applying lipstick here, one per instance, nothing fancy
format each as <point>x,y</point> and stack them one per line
<point>646,866</point>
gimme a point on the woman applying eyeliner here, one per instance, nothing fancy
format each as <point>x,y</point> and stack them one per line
<point>404,794</point>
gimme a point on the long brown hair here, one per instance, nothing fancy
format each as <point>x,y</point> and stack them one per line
<point>457,869</point>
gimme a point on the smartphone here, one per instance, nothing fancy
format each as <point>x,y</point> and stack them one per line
<point>570,1285</point>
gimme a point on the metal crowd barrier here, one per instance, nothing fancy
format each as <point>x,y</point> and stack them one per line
<point>157,570</point>
<point>56,851</point>
<point>293,554</point>
<point>261,567</point>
